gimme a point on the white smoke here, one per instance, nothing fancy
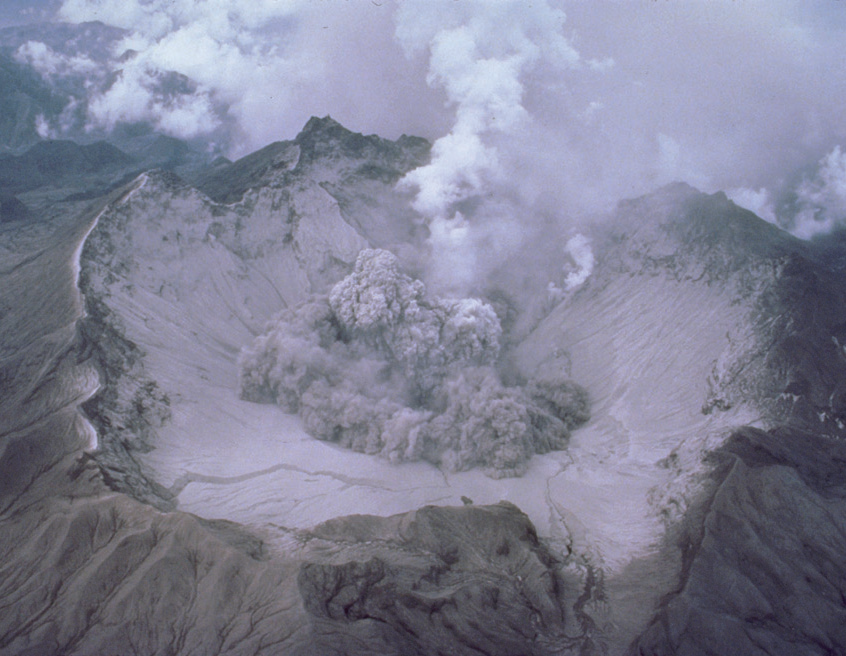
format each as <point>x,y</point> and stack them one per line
<point>758,201</point>
<point>51,64</point>
<point>480,54</point>
<point>814,206</point>
<point>821,201</point>
<point>262,67</point>
<point>579,249</point>
<point>216,44</point>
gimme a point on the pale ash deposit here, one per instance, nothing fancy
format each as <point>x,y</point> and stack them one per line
<point>378,367</point>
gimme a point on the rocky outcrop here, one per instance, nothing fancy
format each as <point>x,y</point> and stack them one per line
<point>90,572</point>
<point>461,580</point>
<point>358,172</point>
<point>765,570</point>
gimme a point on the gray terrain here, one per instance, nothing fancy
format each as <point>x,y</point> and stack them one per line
<point>146,508</point>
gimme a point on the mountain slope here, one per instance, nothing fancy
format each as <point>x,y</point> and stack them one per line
<point>60,162</point>
<point>23,96</point>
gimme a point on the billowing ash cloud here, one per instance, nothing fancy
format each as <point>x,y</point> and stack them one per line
<point>379,367</point>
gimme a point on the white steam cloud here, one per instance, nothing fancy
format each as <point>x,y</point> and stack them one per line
<point>481,55</point>
<point>814,206</point>
<point>758,201</point>
<point>51,64</point>
<point>822,200</point>
<point>216,45</point>
<point>578,248</point>
<point>262,67</point>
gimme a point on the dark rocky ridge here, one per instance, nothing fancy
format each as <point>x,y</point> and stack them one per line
<point>323,143</point>
<point>765,569</point>
<point>433,580</point>
<point>89,572</point>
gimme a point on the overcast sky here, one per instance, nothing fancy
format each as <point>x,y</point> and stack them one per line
<point>584,101</point>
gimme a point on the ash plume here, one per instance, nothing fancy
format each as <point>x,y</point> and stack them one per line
<point>380,367</point>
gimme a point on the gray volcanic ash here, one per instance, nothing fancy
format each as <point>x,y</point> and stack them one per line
<point>378,367</point>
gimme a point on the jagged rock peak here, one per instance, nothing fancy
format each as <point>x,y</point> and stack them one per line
<point>327,124</point>
<point>324,150</point>
<point>163,179</point>
<point>325,137</point>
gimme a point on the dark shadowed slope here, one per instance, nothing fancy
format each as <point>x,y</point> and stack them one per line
<point>57,163</point>
<point>23,96</point>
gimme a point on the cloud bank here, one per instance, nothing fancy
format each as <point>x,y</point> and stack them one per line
<point>557,108</point>
<point>262,67</point>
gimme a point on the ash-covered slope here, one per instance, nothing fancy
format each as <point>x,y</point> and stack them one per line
<point>357,171</point>
<point>763,557</point>
<point>700,318</point>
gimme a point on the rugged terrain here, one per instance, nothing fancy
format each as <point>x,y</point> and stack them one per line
<point>146,508</point>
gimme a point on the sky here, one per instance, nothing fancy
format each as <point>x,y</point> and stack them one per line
<point>567,106</point>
